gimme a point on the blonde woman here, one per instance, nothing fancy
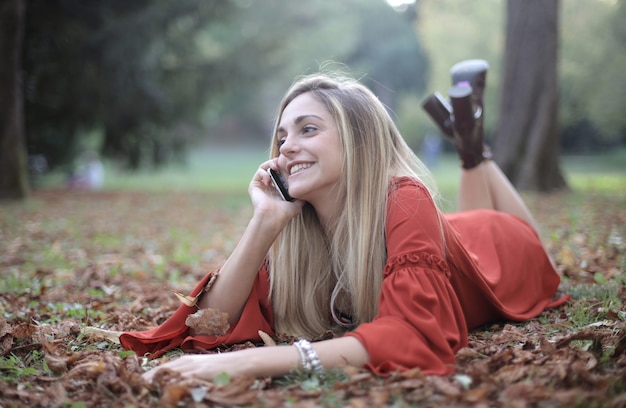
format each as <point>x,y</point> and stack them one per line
<point>362,251</point>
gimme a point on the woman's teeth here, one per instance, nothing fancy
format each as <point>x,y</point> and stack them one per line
<point>299,167</point>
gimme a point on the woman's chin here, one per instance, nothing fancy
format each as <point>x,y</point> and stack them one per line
<point>295,195</point>
<point>298,194</point>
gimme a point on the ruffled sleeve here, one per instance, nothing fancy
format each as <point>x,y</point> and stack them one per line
<point>257,315</point>
<point>420,321</point>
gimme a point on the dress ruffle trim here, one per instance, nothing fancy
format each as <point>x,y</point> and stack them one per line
<point>420,259</point>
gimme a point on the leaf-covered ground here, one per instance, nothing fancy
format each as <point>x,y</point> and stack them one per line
<point>69,260</point>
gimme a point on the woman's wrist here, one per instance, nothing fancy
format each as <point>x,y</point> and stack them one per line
<point>267,225</point>
<point>274,361</point>
<point>309,358</point>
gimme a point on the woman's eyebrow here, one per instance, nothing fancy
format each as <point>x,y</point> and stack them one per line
<point>303,117</point>
<point>299,119</point>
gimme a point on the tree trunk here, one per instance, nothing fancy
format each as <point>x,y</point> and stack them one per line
<point>13,168</point>
<point>527,138</point>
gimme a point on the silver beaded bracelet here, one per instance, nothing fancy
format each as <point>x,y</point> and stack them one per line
<point>309,358</point>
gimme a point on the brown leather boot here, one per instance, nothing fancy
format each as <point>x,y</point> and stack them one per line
<point>440,112</point>
<point>461,119</point>
<point>467,123</point>
<point>469,79</point>
<point>474,72</point>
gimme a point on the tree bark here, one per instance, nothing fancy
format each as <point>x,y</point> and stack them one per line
<point>13,164</point>
<point>526,145</point>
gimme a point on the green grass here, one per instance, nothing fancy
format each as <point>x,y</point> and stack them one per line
<point>230,170</point>
<point>14,368</point>
<point>207,169</point>
<point>602,173</point>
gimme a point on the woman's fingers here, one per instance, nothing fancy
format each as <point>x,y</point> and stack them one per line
<point>261,174</point>
<point>204,367</point>
<point>180,365</point>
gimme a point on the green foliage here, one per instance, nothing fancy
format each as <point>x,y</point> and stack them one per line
<point>14,281</point>
<point>353,35</point>
<point>142,80</point>
<point>14,368</point>
<point>456,30</point>
<point>589,173</point>
<point>222,379</point>
<point>313,381</point>
<point>606,291</point>
<point>591,62</point>
<point>125,68</point>
<point>53,313</point>
<point>125,353</point>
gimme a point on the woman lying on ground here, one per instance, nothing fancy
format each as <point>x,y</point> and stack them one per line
<point>362,251</point>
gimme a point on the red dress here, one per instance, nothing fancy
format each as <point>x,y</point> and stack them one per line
<point>495,269</point>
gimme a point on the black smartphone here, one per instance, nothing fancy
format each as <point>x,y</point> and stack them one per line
<point>279,183</point>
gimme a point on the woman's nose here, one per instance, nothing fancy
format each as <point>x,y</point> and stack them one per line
<point>289,146</point>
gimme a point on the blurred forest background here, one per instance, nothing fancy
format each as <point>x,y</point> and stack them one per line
<point>141,83</point>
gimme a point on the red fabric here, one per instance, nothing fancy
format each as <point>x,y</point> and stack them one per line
<point>257,315</point>
<point>429,301</point>
<point>492,266</point>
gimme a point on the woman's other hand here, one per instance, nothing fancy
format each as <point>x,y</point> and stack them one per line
<point>199,366</point>
<point>252,362</point>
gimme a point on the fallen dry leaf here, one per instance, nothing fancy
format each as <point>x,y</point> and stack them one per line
<point>113,259</point>
<point>96,333</point>
<point>267,340</point>
<point>208,322</point>
<point>6,338</point>
<point>186,299</point>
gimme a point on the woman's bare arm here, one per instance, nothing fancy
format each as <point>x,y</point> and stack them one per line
<point>274,361</point>
<point>232,287</point>
<point>234,283</point>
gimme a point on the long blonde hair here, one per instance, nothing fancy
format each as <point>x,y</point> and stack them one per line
<point>315,276</point>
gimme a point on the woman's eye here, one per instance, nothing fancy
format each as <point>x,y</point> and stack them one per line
<point>280,142</point>
<point>308,129</point>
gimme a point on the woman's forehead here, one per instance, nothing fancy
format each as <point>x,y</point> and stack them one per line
<point>302,106</point>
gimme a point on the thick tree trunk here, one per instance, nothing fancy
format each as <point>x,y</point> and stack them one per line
<point>526,144</point>
<point>13,168</point>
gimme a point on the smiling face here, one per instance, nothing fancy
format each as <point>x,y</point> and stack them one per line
<point>310,151</point>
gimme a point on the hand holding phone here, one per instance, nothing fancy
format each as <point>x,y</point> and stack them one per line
<point>280,185</point>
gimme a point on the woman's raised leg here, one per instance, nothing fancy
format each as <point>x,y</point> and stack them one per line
<point>474,190</point>
<point>483,184</point>
<point>486,186</point>
<point>505,196</point>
